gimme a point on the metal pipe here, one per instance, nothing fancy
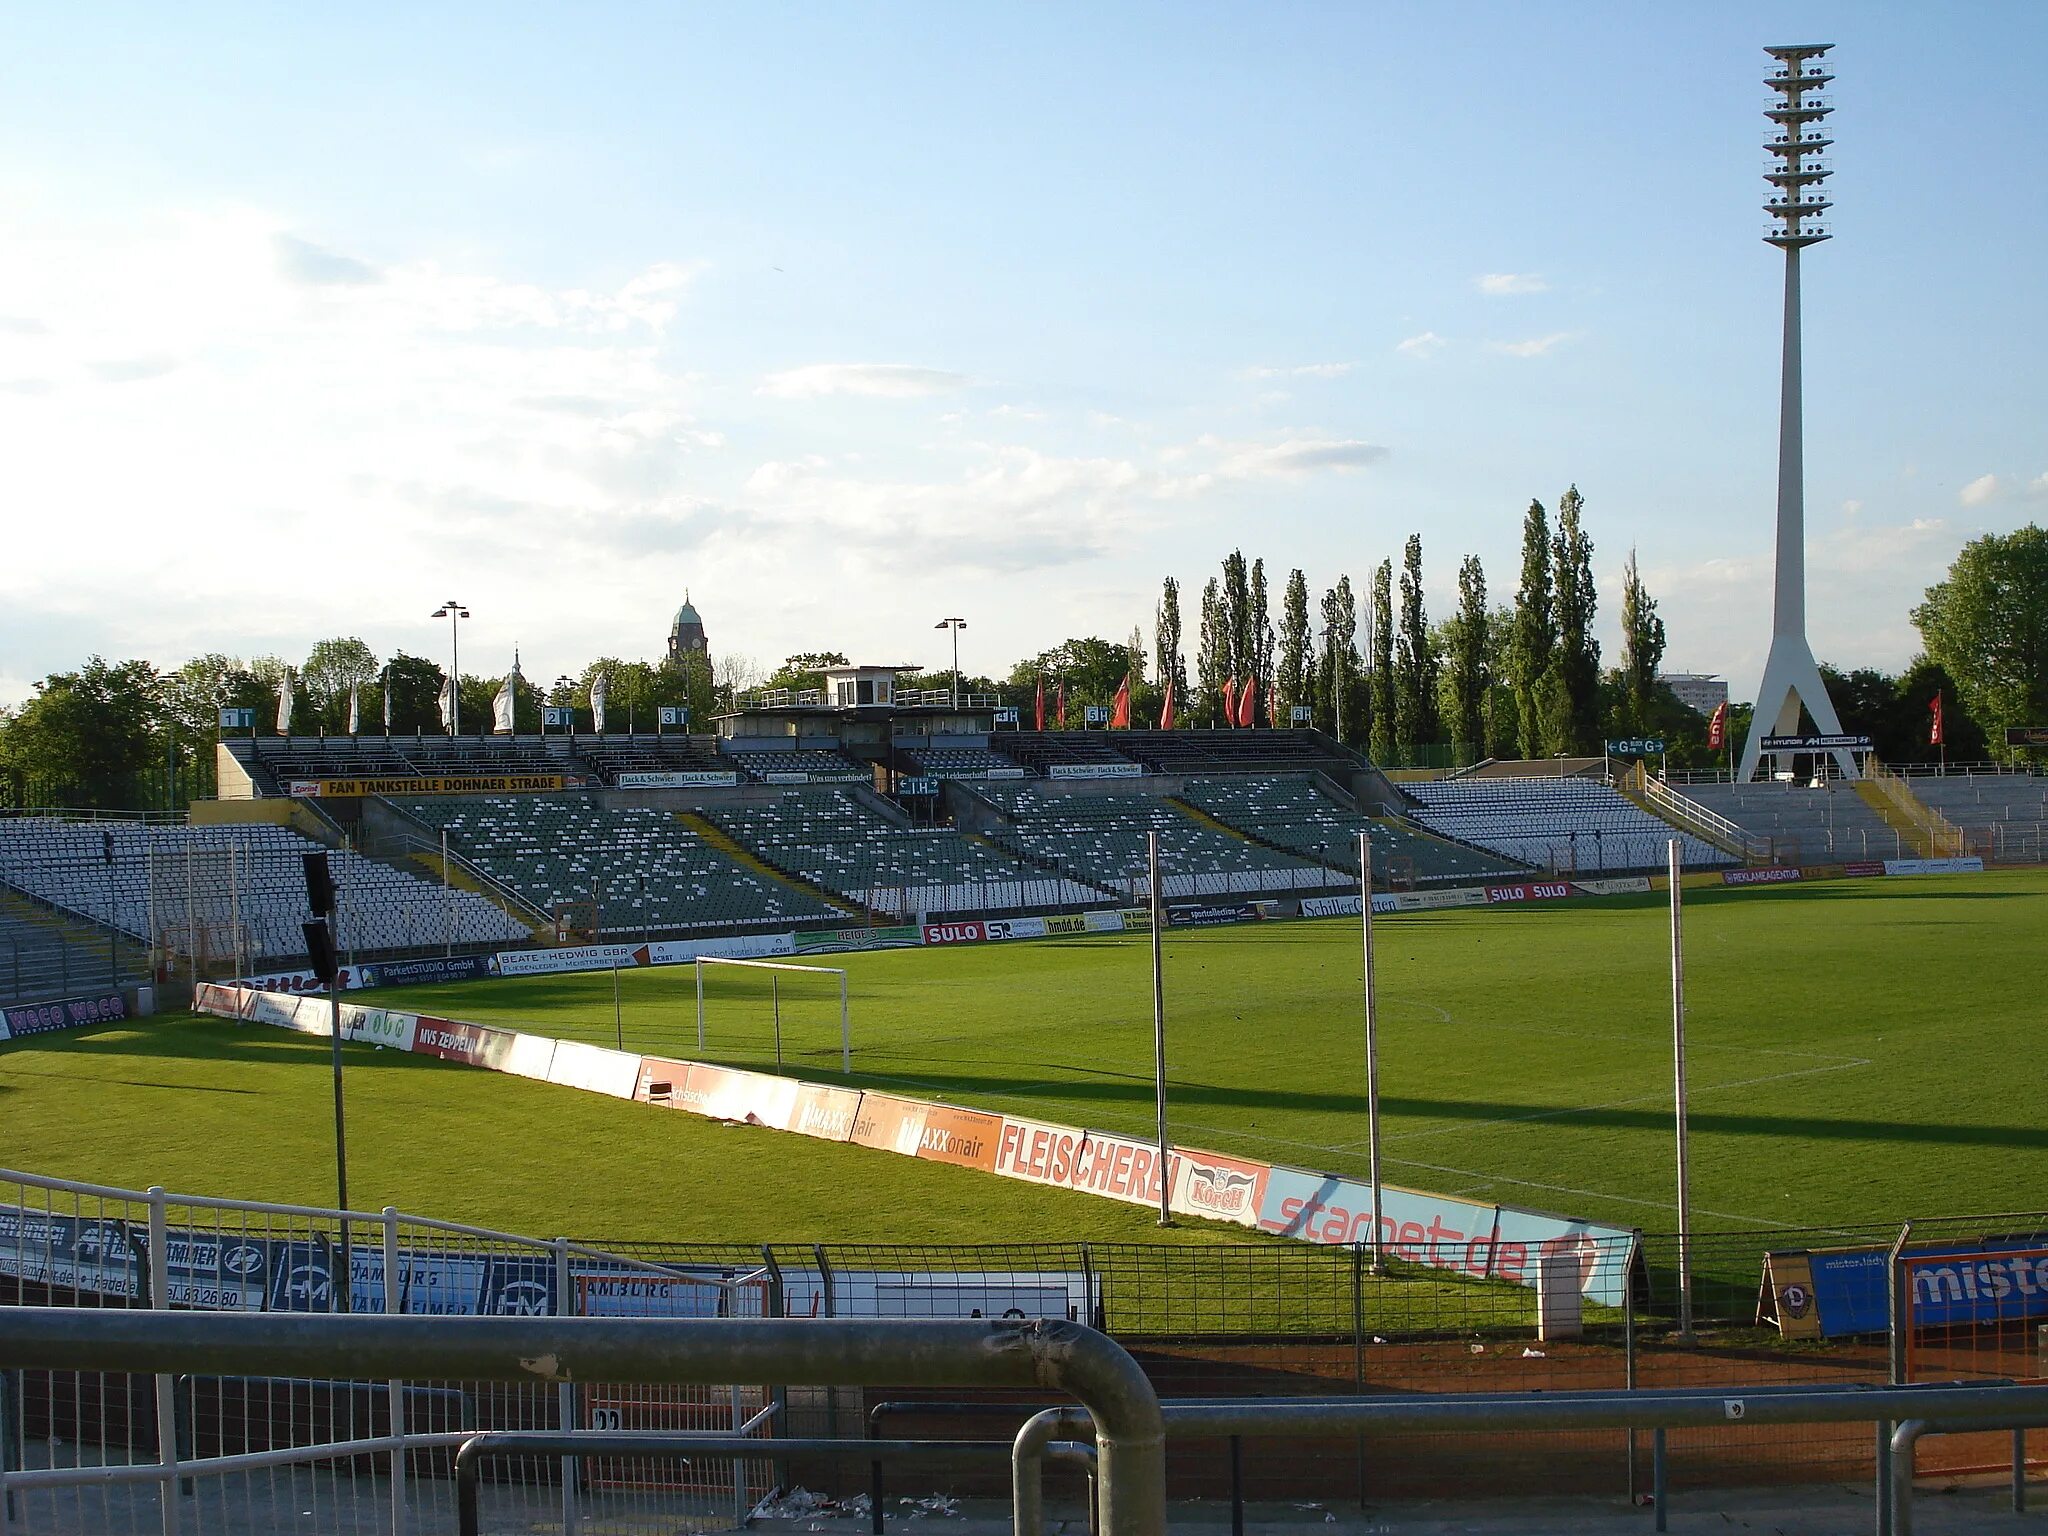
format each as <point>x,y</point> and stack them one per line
<point>1054,1354</point>
<point>1660,1478</point>
<point>1027,1465</point>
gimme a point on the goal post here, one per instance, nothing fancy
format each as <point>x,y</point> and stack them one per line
<point>775,997</point>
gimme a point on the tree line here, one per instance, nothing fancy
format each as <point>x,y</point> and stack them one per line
<point>1521,679</point>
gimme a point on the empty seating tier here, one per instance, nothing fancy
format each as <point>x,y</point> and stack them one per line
<point>1101,837</point>
<point>1041,751</point>
<point>1803,824</point>
<point>830,838</point>
<point>965,763</point>
<point>804,765</point>
<point>611,756</point>
<point>225,891</point>
<point>1565,824</point>
<point>1250,751</point>
<point>614,871</point>
<point>1292,812</point>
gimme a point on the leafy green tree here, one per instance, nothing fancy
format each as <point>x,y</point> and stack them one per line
<point>1212,657</point>
<point>1415,664</point>
<point>1237,617</point>
<point>1577,728</point>
<point>1297,661</point>
<point>1466,648</point>
<point>1259,659</point>
<point>1092,669</point>
<point>803,671</point>
<point>1642,649</point>
<point>415,685</point>
<point>1502,713</point>
<point>1535,631</point>
<point>1987,626</point>
<point>87,739</point>
<point>331,668</point>
<point>1170,665</point>
<point>1383,712</point>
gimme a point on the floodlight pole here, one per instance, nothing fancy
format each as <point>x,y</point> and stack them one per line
<point>1675,852</point>
<point>1372,1043</point>
<point>1159,1029</point>
<point>955,625</point>
<point>1791,679</point>
<point>453,612</point>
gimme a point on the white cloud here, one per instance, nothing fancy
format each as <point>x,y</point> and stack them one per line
<point>1978,491</point>
<point>1302,371</point>
<point>1500,285</point>
<point>2038,486</point>
<point>216,372</point>
<point>888,381</point>
<point>1299,457</point>
<point>1535,346</point>
<point>1428,344</point>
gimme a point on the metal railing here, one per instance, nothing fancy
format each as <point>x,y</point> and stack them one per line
<point>1068,1357</point>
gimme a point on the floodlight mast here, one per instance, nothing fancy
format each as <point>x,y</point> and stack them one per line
<point>1791,679</point>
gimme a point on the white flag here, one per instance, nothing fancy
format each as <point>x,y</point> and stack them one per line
<point>352,719</point>
<point>597,692</point>
<point>501,706</point>
<point>284,703</point>
<point>448,706</point>
<point>387,706</point>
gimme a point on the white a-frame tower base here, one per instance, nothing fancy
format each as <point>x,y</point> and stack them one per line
<point>1791,679</point>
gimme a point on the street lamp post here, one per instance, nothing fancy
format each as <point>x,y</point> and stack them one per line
<point>955,625</point>
<point>453,611</point>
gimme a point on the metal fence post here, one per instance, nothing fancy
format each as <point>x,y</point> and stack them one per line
<point>1628,1350</point>
<point>566,1393</point>
<point>393,1299</point>
<point>1358,1346</point>
<point>166,1386</point>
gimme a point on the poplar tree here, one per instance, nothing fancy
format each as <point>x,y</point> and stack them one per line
<point>1415,715</point>
<point>1382,737</point>
<point>1469,671</point>
<point>1535,634</point>
<point>1578,653</point>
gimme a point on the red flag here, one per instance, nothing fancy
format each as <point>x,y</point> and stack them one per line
<point>1166,709</point>
<point>1247,701</point>
<point>1936,735</point>
<point>1060,723</point>
<point>1717,727</point>
<point>1230,701</point>
<point>1120,707</point>
<point>1041,705</point>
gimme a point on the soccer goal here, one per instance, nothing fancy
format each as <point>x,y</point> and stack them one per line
<point>810,989</point>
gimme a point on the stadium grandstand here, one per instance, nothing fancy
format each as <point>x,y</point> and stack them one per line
<point>1567,824</point>
<point>622,759</point>
<point>964,763</point>
<point>1802,822</point>
<point>605,870</point>
<point>1042,752</point>
<point>1292,813</point>
<point>222,893</point>
<point>1099,835</point>
<point>818,765</point>
<point>837,839</point>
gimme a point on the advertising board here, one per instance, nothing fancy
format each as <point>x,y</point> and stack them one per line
<point>452,1040</point>
<point>1211,915</point>
<point>1432,901</point>
<point>1218,1187</point>
<point>1529,890</point>
<point>825,1112</point>
<point>889,1123</point>
<point>379,1026</point>
<point>678,779</point>
<point>72,1013</point>
<point>956,933</point>
<point>1095,771</point>
<point>1094,1162</point>
<point>467,784</point>
<point>594,1069</point>
<point>432,971</point>
<point>1001,928</point>
<point>1934,866</point>
<point>1768,874</point>
<point>1103,922</point>
<point>966,1138</point>
<point>823,940</point>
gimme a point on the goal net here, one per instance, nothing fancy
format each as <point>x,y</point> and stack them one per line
<point>773,1011</point>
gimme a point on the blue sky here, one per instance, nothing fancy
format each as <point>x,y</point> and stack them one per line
<point>849,318</point>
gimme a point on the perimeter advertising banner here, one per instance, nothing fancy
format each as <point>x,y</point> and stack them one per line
<point>889,1124</point>
<point>967,1138</point>
<point>1093,1162</point>
<point>1953,1285</point>
<point>481,784</point>
<point>824,1112</point>
<point>73,1013</point>
<point>1529,890</point>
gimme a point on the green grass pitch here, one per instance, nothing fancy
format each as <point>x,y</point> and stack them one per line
<point>1859,1051</point>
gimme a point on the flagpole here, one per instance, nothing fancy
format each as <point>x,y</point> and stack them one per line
<point>1372,1045</point>
<point>1159,1029</point>
<point>1675,853</point>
